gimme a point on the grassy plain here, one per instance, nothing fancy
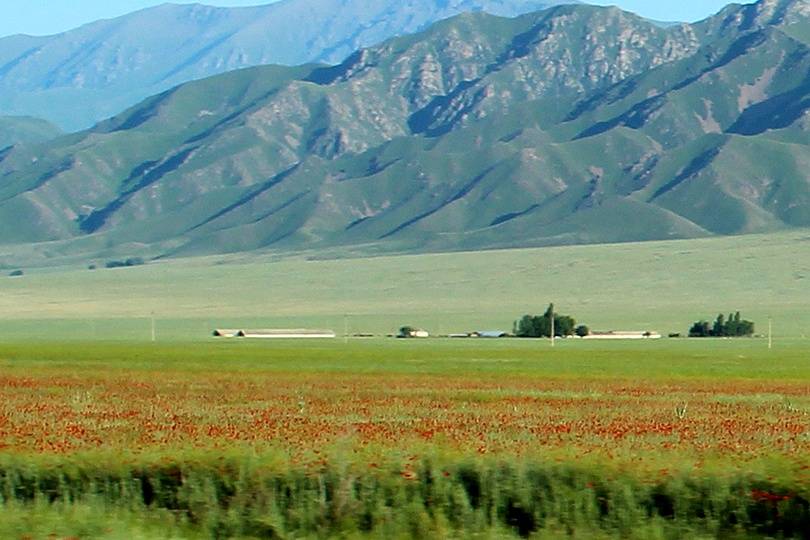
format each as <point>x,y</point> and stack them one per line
<point>103,432</point>
<point>660,286</point>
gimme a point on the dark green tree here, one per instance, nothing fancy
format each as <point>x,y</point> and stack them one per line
<point>406,332</point>
<point>719,328</point>
<point>525,326</point>
<point>700,329</point>
<point>543,324</point>
<point>745,329</point>
<point>564,325</point>
<point>540,326</point>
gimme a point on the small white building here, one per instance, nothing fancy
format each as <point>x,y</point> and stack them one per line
<point>490,334</point>
<point>408,332</point>
<point>623,335</point>
<point>229,333</point>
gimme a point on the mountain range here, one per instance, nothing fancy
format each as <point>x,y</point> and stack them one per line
<point>575,124</point>
<point>77,78</point>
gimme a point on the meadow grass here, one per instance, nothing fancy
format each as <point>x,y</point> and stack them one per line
<point>663,286</point>
<point>721,359</point>
<point>74,343</point>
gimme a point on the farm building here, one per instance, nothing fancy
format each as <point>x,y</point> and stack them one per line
<point>410,332</point>
<point>221,332</point>
<point>623,335</point>
<point>274,333</point>
<point>286,334</point>
<point>491,334</point>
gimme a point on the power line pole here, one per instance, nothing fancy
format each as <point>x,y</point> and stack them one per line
<point>552,324</point>
<point>154,334</point>
<point>345,328</point>
<point>770,333</point>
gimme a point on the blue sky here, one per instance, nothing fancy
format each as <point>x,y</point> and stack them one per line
<point>42,17</point>
<point>671,10</point>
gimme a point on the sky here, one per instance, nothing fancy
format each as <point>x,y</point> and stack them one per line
<point>44,17</point>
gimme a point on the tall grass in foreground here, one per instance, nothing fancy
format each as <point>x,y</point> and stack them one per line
<point>433,497</point>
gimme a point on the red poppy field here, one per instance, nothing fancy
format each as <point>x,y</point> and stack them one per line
<point>608,415</point>
<point>633,420</point>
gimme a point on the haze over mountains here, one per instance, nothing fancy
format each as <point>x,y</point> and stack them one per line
<point>85,75</point>
<point>571,125</point>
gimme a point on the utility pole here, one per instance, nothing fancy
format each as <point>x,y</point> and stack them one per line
<point>346,328</point>
<point>770,333</point>
<point>552,325</point>
<point>154,335</point>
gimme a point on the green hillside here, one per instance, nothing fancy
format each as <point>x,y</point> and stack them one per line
<point>663,286</point>
<point>574,125</point>
<point>23,129</point>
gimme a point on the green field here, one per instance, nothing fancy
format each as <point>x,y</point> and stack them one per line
<point>661,286</point>
<point>105,435</point>
<point>700,359</point>
<point>405,439</point>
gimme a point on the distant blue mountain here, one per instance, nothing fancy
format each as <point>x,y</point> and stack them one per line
<point>82,76</point>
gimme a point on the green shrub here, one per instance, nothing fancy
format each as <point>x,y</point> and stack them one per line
<point>244,497</point>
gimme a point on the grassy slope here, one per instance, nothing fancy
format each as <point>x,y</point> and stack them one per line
<point>25,129</point>
<point>658,285</point>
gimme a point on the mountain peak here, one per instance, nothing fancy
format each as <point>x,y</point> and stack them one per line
<point>777,13</point>
<point>85,75</point>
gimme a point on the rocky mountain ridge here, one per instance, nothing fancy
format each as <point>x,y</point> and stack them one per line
<point>571,125</point>
<point>79,77</point>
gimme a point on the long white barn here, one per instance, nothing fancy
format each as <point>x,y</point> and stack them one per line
<point>277,333</point>
<point>623,335</point>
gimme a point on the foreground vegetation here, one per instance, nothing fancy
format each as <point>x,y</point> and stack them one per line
<point>393,438</point>
<point>431,498</point>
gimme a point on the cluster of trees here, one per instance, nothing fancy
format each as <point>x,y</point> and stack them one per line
<point>734,326</point>
<point>132,261</point>
<point>538,326</point>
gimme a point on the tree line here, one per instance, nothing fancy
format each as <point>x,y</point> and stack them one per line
<point>733,326</point>
<point>540,326</point>
<point>132,261</point>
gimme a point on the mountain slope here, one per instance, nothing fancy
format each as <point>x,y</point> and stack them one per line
<point>479,132</point>
<point>21,130</point>
<point>85,75</point>
<point>274,118</point>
